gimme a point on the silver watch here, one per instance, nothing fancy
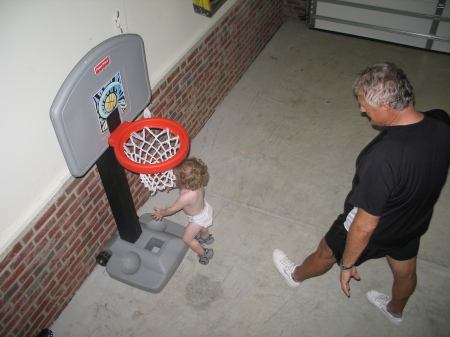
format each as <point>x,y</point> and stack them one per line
<point>344,267</point>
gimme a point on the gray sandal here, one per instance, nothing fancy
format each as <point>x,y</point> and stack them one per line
<point>208,253</point>
<point>206,241</point>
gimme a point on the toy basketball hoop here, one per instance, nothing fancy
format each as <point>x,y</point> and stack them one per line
<point>151,147</point>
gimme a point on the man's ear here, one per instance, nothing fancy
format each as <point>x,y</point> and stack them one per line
<point>386,107</point>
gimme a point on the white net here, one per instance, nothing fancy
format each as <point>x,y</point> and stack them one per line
<point>152,146</point>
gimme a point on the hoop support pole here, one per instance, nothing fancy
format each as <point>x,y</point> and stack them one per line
<point>118,192</point>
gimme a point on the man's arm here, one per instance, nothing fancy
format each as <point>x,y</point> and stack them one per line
<point>357,239</point>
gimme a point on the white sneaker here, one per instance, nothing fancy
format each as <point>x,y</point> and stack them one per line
<point>381,301</point>
<point>285,266</point>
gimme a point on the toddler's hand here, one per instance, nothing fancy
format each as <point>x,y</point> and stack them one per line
<point>157,214</point>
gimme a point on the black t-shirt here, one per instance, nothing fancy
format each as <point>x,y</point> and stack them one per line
<point>399,176</point>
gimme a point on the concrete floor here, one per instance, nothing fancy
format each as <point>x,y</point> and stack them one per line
<point>281,150</point>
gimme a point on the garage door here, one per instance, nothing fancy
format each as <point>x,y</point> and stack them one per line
<point>417,23</point>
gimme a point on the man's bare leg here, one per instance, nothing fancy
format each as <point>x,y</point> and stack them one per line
<point>316,264</point>
<point>405,280</point>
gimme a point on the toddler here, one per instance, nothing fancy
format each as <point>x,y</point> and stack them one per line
<point>191,178</point>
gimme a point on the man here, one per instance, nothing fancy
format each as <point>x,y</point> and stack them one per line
<point>399,176</point>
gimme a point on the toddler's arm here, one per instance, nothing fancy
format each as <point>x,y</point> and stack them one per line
<point>179,204</point>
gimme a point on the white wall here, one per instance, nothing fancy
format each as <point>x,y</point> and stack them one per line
<point>40,42</point>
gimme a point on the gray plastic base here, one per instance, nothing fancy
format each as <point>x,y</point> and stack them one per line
<point>150,262</point>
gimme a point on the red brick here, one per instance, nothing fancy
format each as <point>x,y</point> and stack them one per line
<point>79,201</point>
<point>83,184</point>
<point>9,281</point>
<point>18,259</point>
<point>11,256</point>
<point>63,209</point>
<point>62,198</point>
<point>5,280</point>
<point>37,322</point>
<point>27,237</point>
<point>173,75</point>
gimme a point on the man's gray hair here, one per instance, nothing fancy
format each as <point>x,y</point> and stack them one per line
<point>384,83</point>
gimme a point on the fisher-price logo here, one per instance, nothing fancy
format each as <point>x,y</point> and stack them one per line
<point>102,65</point>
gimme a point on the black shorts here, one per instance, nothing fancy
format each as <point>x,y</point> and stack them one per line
<point>336,238</point>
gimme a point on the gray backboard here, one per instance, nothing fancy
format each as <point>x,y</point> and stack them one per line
<point>113,74</point>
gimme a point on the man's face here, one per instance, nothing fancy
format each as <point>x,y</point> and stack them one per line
<point>378,116</point>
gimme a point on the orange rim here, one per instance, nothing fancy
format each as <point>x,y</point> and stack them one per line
<point>123,132</point>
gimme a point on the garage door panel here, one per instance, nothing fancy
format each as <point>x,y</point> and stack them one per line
<point>416,23</point>
<point>372,34</point>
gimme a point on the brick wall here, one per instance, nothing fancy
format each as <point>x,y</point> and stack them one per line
<point>46,265</point>
<point>295,10</point>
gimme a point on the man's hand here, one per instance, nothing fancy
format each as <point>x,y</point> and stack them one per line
<point>345,277</point>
